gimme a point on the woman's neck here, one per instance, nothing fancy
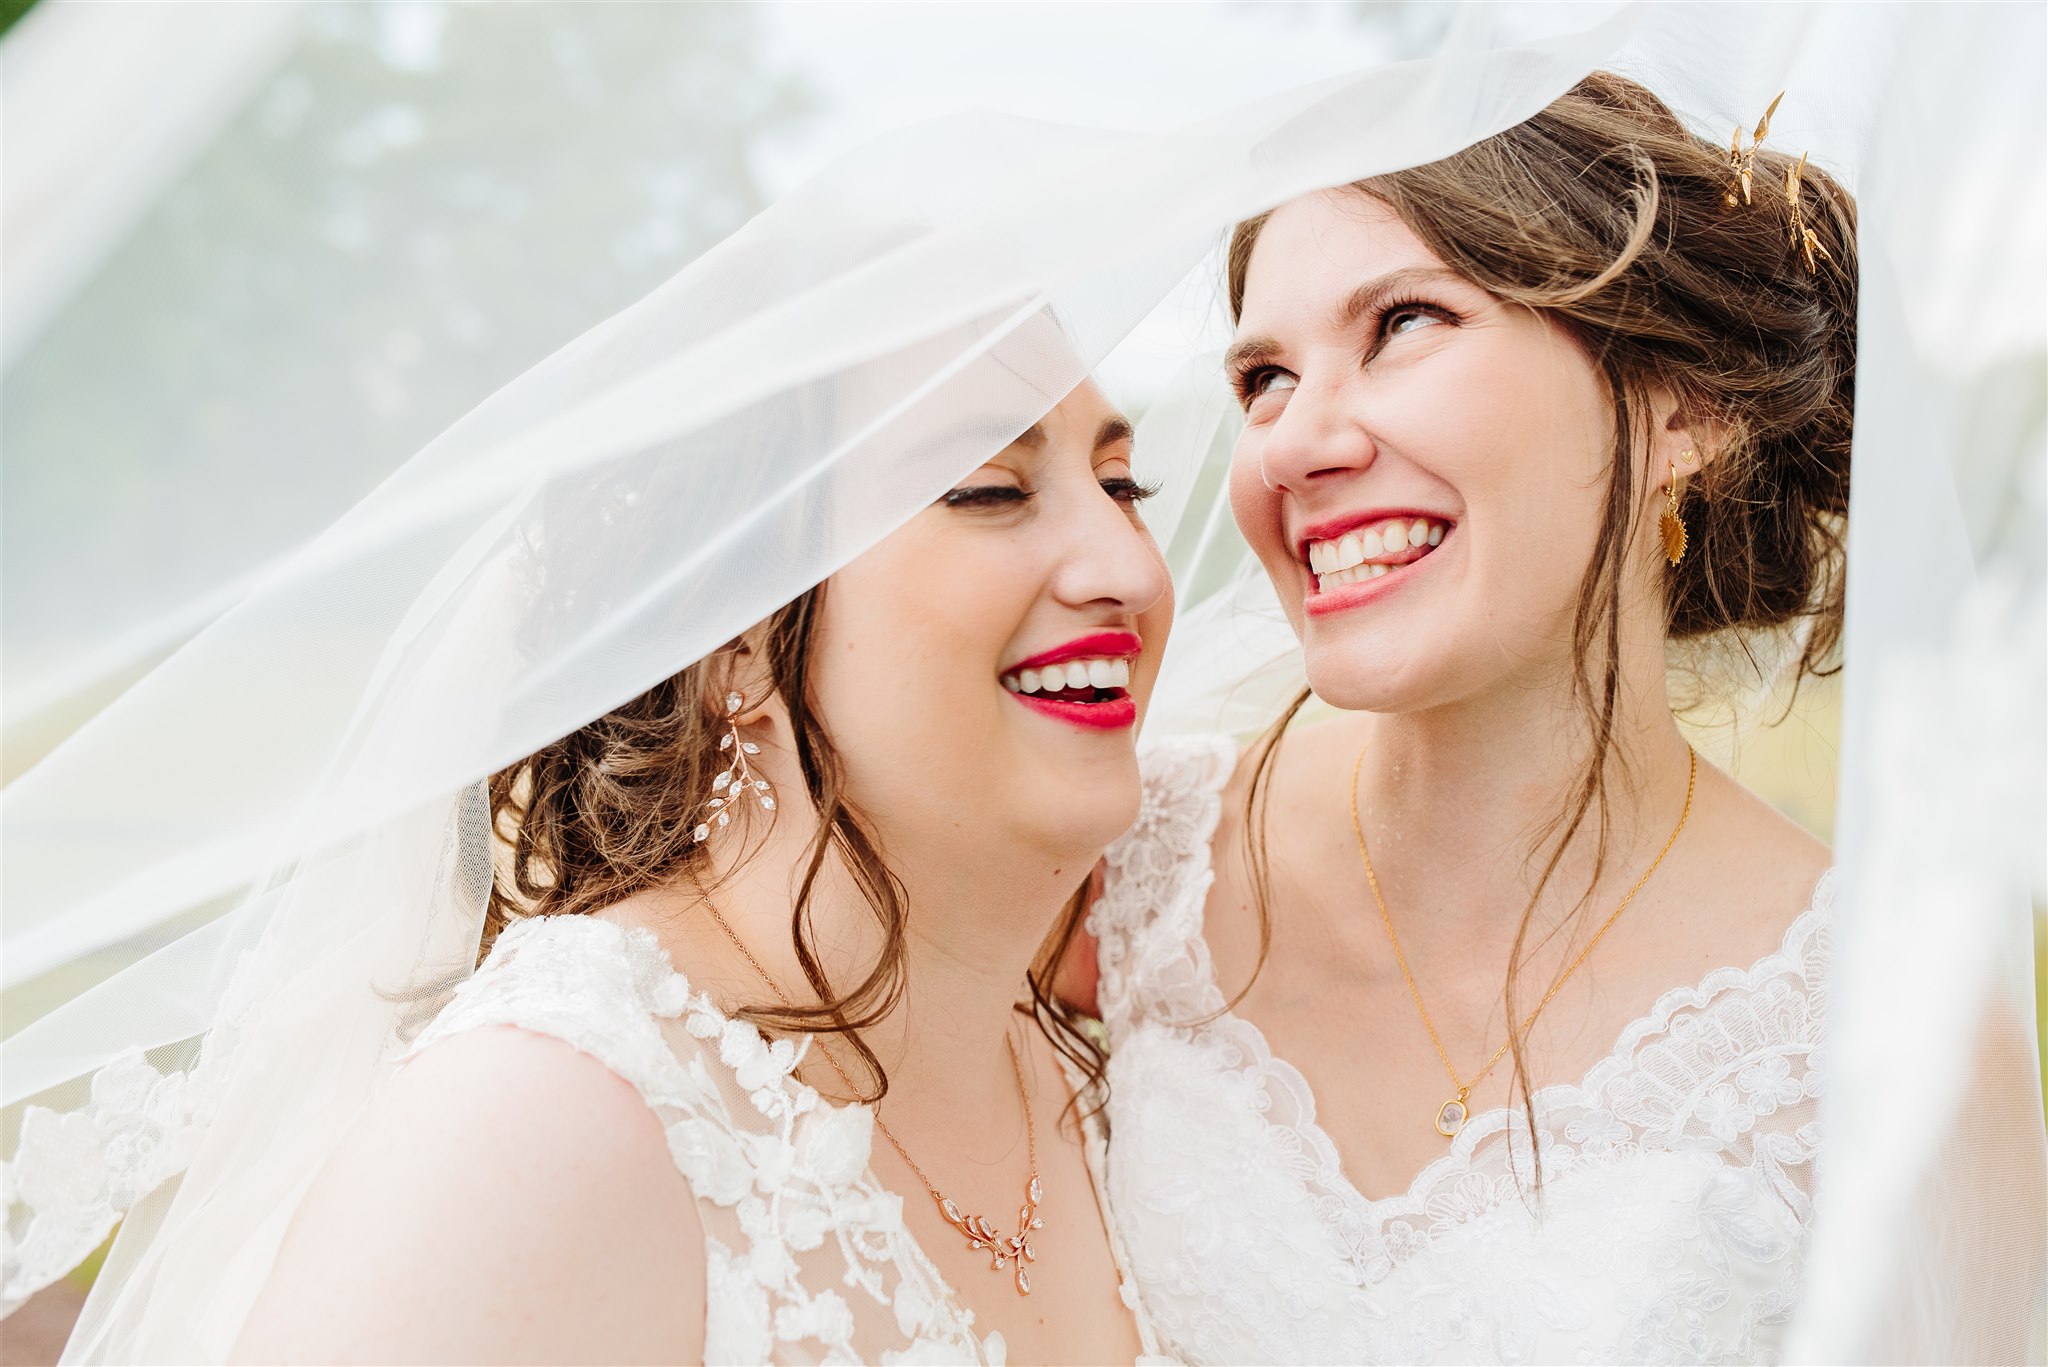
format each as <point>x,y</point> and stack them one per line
<point>1457,799</point>
<point>976,912</point>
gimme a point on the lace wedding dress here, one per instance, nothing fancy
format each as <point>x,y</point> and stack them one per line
<point>806,1256</point>
<point>1677,1174</point>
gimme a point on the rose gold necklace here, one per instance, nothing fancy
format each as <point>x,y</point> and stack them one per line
<point>1005,1251</point>
<point>1452,1115</point>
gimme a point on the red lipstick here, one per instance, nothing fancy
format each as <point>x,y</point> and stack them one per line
<point>1082,648</point>
<point>1114,715</point>
<point>1115,710</point>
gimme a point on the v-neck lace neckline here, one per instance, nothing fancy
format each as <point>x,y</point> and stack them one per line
<point>1548,1099</point>
<point>1784,957</point>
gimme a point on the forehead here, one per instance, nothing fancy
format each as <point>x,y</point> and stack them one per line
<point>1322,246</point>
<point>1083,420</point>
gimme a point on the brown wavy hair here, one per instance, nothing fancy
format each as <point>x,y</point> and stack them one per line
<point>1609,218</point>
<point>608,810</point>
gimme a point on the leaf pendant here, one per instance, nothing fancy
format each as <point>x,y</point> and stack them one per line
<point>1005,1253</point>
<point>1672,527</point>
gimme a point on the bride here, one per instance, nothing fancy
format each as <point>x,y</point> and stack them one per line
<point>780,836</point>
<point>1482,1022</point>
<point>260,881</point>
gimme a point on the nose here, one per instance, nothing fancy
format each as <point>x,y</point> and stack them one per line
<point>1109,560</point>
<point>1319,435</point>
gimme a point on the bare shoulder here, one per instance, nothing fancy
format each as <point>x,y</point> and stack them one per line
<point>1773,858</point>
<point>505,1198</point>
<point>1741,874</point>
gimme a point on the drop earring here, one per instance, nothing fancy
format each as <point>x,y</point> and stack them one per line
<point>1671,524</point>
<point>737,783</point>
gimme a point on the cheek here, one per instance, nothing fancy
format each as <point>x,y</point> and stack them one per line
<point>905,655</point>
<point>1529,462</point>
<point>1255,506</point>
<point>1153,626</point>
<point>1557,498</point>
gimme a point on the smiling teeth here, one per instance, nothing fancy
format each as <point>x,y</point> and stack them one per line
<point>1351,576</point>
<point>1350,557</point>
<point>1096,673</point>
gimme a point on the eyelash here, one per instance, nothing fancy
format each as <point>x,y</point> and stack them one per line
<point>1121,488</point>
<point>1246,382</point>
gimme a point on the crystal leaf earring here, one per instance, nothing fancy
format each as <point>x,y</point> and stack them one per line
<point>737,783</point>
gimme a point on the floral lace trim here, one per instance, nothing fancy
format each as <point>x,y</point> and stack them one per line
<point>793,1179</point>
<point>1152,959</point>
<point>1157,971</point>
<point>76,1173</point>
<point>1643,1096</point>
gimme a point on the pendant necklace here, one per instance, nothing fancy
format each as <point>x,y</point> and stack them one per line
<point>1006,1252</point>
<point>1452,1115</point>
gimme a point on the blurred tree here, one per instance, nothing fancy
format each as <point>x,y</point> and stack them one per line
<point>425,199</point>
<point>11,12</point>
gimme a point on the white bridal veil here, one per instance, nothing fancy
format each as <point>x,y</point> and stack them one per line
<point>277,841</point>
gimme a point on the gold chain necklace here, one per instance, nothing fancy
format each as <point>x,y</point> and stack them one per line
<point>1452,1115</point>
<point>1005,1252</point>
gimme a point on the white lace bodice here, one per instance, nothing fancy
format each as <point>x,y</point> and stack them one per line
<point>806,1255</point>
<point>1676,1175</point>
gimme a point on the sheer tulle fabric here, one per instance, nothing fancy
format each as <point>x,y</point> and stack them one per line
<point>299,782</point>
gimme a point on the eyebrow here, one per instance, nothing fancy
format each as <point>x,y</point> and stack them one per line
<point>1376,292</point>
<point>1114,429</point>
<point>1250,351</point>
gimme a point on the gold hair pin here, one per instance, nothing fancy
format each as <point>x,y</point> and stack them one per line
<point>1802,236</point>
<point>1742,160</point>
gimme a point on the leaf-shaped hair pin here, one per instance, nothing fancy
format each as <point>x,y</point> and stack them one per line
<point>1742,160</point>
<point>1802,236</point>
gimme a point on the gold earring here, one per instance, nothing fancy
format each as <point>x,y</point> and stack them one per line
<point>1671,524</point>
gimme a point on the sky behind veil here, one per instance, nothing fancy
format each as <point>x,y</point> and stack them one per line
<point>390,210</point>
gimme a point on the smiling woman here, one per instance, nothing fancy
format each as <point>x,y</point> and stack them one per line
<point>1517,423</point>
<point>841,829</point>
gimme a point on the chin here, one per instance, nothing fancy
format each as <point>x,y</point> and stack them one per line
<point>1358,676</point>
<point>1085,812</point>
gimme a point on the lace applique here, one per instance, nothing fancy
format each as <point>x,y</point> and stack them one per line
<point>77,1172</point>
<point>74,1173</point>
<point>1148,923</point>
<point>806,1256</point>
<point>1677,1174</point>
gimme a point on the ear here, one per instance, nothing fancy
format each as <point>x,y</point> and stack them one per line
<point>1684,439</point>
<point>740,670</point>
